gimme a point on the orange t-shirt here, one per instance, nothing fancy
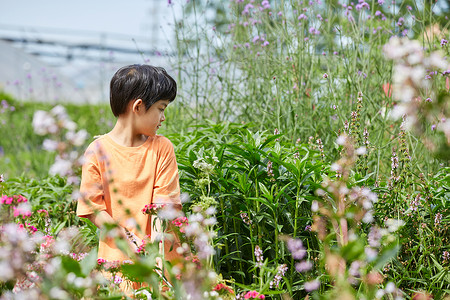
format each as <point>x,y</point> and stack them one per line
<point>122,180</point>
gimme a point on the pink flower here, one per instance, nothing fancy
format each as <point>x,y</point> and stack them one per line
<point>151,209</point>
<point>180,222</point>
<point>254,295</point>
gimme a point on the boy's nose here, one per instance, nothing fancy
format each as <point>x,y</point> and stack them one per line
<point>163,118</point>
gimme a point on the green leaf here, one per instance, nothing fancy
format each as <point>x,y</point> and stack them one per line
<point>71,266</point>
<point>386,255</point>
<point>89,262</point>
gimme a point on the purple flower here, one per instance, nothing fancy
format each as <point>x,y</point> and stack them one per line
<point>295,246</point>
<point>437,219</point>
<point>314,31</point>
<point>400,21</point>
<point>259,256</point>
<point>325,75</point>
<point>380,2</point>
<point>265,4</point>
<point>303,266</point>
<point>433,127</point>
<point>247,8</point>
<point>378,13</point>
<point>446,255</point>
<point>302,17</point>
<point>312,285</point>
<point>443,42</point>
<point>266,43</point>
<point>446,72</point>
<point>276,280</point>
<point>408,7</point>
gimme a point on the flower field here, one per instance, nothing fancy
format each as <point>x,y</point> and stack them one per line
<point>313,145</point>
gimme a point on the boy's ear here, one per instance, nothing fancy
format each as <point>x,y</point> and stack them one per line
<point>137,105</point>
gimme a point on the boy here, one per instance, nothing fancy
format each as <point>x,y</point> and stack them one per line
<point>131,166</point>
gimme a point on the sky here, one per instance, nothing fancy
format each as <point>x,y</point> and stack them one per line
<point>125,17</point>
<point>143,24</point>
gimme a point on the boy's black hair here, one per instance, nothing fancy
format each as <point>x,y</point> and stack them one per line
<point>144,82</point>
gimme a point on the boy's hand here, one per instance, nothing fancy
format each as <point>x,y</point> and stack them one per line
<point>133,240</point>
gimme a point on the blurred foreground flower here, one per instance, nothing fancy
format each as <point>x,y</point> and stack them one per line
<point>412,84</point>
<point>64,139</point>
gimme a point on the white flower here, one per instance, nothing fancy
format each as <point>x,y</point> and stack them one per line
<point>43,123</point>
<point>335,167</point>
<point>210,211</point>
<point>370,253</point>
<point>50,145</point>
<point>69,125</point>
<point>77,139</point>
<point>361,151</point>
<point>210,221</point>
<point>57,293</point>
<point>436,60</point>
<point>184,198</point>
<point>394,224</point>
<point>380,293</point>
<point>7,272</point>
<point>61,167</point>
<point>390,287</point>
<point>397,112</point>
<point>415,57</point>
<point>169,212</point>
<point>368,217</point>
<point>314,206</point>
<point>59,111</point>
<point>341,140</point>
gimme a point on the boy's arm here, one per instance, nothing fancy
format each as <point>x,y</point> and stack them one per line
<point>167,188</point>
<point>91,204</point>
<point>101,218</point>
<point>167,191</point>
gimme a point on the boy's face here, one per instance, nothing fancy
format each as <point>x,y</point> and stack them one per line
<point>149,121</point>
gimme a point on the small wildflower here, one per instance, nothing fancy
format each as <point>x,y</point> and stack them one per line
<point>302,17</point>
<point>280,273</point>
<point>443,42</point>
<point>314,31</point>
<point>269,169</point>
<point>325,75</point>
<point>446,256</point>
<point>295,246</point>
<point>437,219</point>
<point>259,256</point>
<point>245,218</point>
<point>117,279</point>
<point>303,266</point>
<point>312,285</point>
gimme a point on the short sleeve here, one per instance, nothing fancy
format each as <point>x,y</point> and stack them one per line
<point>167,187</point>
<point>91,197</point>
